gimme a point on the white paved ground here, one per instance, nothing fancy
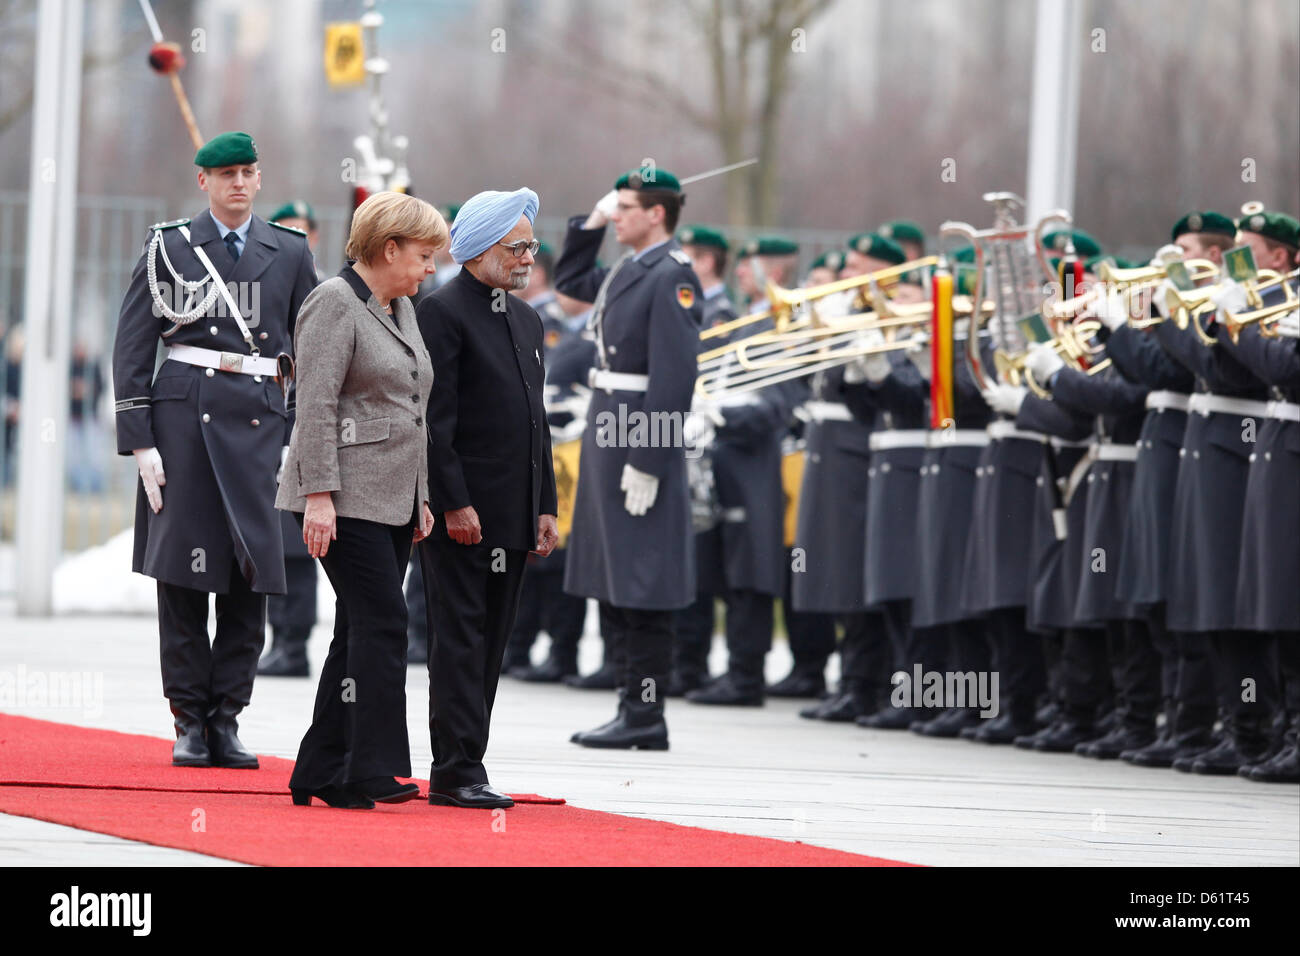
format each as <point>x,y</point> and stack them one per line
<point>758,771</point>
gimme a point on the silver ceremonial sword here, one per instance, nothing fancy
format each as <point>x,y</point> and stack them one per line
<point>718,172</point>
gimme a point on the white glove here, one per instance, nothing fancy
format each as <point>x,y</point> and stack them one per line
<point>1230,296</point>
<point>1289,325</point>
<point>642,489</point>
<point>279,472</point>
<point>607,204</point>
<point>1111,309</point>
<point>1005,399</point>
<point>712,410</point>
<point>151,473</point>
<point>698,432</point>
<point>1042,362</point>
<point>1166,254</point>
<point>1161,298</point>
<point>872,368</point>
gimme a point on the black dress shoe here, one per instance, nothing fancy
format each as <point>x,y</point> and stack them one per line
<point>1003,729</point>
<point>947,724</point>
<point>723,692</point>
<point>223,740</point>
<point>1163,752</point>
<point>1115,743</point>
<point>800,682</point>
<point>1227,758</point>
<point>288,658</point>
<point>1282,767</point>
<point>550,671</point>
<point>888,718</point>
<point>620,734</point>
<point>1063,736</point>
<point>603,679</point>
<point>191,748</point>
<point>479,796</point>
<point>1048,714</point>
<point>843,708</point>
<point>386,790</point>
<point>344,798</point>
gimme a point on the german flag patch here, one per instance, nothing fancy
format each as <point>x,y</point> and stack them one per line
<point>685,296</point>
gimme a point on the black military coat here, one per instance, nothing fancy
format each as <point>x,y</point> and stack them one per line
<point>651,327</point>
<point>219,433</point>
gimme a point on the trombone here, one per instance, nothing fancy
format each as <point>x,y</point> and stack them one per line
<point>1070,342</point>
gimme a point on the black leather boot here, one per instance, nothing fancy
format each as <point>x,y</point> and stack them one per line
<point>1282,767</point>
<point>191,749</point>
<point>802,681</point>
<point>729,691</point>
<point>604,679</point>
<point>223,739</point>
<point>554,669</point>
<point>638,726</point>
<point>288,657</point>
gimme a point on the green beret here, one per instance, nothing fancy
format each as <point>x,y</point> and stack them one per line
<point>902,230</point>
<point>293,210</point>
<point>770,246</point>
<point>648,177</point>
<point>1084,245</point>
<point>1272,225</point>
<point>878,247</point>
<point>964,277</point>
<point>1207,221</point>
<point>449,211</point>
<point>702,236</point>
<point>544,250</point>
<point>832,259</point>
<point>226,149</point>
<point>961,254</point>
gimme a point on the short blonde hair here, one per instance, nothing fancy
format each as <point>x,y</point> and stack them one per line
<point>390,215</point>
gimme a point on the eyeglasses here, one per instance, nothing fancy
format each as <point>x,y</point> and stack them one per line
<point>520,246</point>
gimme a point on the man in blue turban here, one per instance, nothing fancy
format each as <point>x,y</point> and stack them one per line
<point>491,479</point>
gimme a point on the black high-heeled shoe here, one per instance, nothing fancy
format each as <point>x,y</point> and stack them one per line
<point>341,797</point>
<point>386,790</point>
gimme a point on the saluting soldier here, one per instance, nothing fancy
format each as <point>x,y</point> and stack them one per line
<point>222,291</point>
<point>631,546</point>
<point>744,552</point>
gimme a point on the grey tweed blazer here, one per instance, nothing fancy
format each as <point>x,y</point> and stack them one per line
<point>363,382</point>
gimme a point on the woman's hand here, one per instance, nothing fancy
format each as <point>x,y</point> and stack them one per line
<point>319,527</point>
<point>425,527</point>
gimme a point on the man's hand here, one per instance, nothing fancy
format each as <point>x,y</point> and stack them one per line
<point>603,211</point>
<point>319,524</point>
<point>642,489</point>
<point>548,536</point>
<point>463,526</point>
<point>151,473</point>
<point>425,527</point>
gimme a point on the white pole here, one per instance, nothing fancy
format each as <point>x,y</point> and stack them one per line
<point>1059,40</point>
<point>47,302</point>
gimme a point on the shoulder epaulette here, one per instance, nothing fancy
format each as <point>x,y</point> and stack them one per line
<point>681,257</point>
<point>295,231</point>
<point>170,225</point>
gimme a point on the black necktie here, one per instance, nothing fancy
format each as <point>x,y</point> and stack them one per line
<point>232,247</point>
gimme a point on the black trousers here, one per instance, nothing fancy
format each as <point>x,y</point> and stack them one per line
<point>1018,657</point>
<point>474,594</point>
<point>646,641</point>
<point>1241,656</point>
<point>866,658</point>
<point>292,615</point>
<point>544,606</point>
<point>200,673</point>
<point>1085,674</point>
<point>358,724</point>
<point>1138,671</point>
<point>1196,703</point>
<point>811,633</point>
<point>693,635</point>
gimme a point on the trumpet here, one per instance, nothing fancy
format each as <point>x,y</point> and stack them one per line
<point>1070,343</point>
<point>1127,281</point>
<point>1266,315</point>
<point>1189,307</point>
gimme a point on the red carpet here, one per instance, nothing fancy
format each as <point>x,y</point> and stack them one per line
<point>124,785</point>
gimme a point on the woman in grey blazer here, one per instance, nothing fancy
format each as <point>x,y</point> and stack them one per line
<point>356,478</point>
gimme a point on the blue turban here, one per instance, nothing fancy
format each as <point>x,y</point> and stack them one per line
<point>485,219</point>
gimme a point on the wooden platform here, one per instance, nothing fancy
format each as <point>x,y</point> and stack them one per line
<point>760,771</point>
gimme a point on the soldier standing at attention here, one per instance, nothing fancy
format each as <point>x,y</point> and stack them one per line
<point>631,547</point>
<point>222,291</point>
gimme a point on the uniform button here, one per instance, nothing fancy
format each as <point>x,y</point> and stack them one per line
<point>871,472</point>
<point>213,330</point>
<point>1105,476</point>
<point>210,372</point>
<point>1196,454</point>
<point>1182,453</point>
<point>255,422</point>
<point>419,421</point>
<point>257,378</point>
<point>1039,481</point>
<point>207,417</point>
<point>884,468</point>
<point>988,470</point>
<point>1252,456</point>
<point>1148,442</point>
<point>612,350</point>
<point>934,470</point>
<point>979,471</point>
<point>1091,479</point>
<point>262,336</point>
<point>415,398</point>
<point>1268,456</point>
<point>415,375</point>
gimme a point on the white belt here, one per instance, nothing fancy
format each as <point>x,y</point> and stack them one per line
<point>899,438</point>
<point>963,437</point>
<point>1290,411</point>
<point>1205,404</point>
<point>1109,452</point>
<point>617,381</point>
<point>1165,399</point>
<point>1059,443</point>
<point>1000,429</point>
<point>225,361</point>
<point>827,411</point>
